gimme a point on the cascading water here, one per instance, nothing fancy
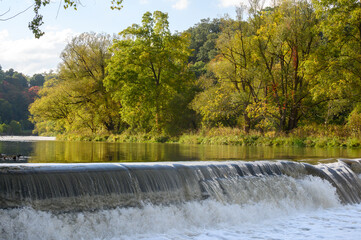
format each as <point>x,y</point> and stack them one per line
<point>93,186</point>
<point>180,200</point>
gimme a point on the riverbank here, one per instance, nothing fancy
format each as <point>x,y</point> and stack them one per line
<point>301,137</point>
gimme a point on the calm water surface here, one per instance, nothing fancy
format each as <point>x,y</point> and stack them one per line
<point>45,150</point>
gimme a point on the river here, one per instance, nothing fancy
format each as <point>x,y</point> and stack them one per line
<point>244,200</point>
<point>46,150</point>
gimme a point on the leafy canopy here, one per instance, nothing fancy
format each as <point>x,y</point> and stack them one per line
<point>148,71</point>
<point>76,100</point>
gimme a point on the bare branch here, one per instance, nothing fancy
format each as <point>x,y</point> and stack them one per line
<point>5,13</point>
<point>6,19</point>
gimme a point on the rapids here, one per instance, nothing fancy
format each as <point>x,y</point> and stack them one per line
<point>184,200</point>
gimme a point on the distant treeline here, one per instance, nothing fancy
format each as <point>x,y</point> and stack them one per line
<point>272,69</point>
<point>17,92</point>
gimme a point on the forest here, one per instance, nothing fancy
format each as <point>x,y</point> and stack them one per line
<point>17,92</point>
<point>294,68</point>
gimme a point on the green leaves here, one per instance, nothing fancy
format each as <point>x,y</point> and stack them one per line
<point>116,4</point>
<point>260,61</point>
<point>203,40</point>
<point>338,59</point>
<point>37,21</point>
<point>147,70</point>
<point>77,100</point>
<point>281,66</point>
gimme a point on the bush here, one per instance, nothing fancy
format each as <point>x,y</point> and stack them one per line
<point>334,142</point>
<point>310,142</point>
<point>14,127</point>
<point>295,141</point>
<point>279,141</point>
<point>190,139</point>
<point>4,129</point>
<point>353,143</point>
<point>354,122</point>
<point>250,140</point>
<point>321,142</point>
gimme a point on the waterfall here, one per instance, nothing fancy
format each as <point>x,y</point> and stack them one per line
<point>69,187</point>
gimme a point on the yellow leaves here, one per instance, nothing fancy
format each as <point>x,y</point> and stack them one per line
<point>261,31</point>
<point>263,114</point>
<point>216,104</point>
<point>116,4</point>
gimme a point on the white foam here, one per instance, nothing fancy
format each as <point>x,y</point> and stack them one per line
<point>209,220</point>
<point>25,138</point>
<point>316,216</point>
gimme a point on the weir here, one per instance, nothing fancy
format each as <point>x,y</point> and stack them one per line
<point>69,187</point>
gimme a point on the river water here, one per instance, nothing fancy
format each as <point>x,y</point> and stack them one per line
<point>193,220</point>
<point>207,220</point>
<point>45,150</point>
<point>272,207</point>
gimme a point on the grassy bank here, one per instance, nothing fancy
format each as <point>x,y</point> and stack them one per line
<point>301,137</point>
<point>257,140</point>
<point>122,138</point>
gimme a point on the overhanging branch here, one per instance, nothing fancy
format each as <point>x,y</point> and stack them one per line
<point>6,19</point>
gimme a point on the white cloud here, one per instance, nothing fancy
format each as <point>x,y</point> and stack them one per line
<point>229,3</point>
<point>143,2</point>
<point>181,4</point>
<point>30,55</point>
<point>3,35</point>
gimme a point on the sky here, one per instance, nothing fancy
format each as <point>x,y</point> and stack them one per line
<point>21,51</point>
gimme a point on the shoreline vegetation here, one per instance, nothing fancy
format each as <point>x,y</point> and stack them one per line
<point>328,137</point>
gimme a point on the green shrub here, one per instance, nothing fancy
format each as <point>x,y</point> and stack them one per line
<point>353,143</point>
<point>4,129</point>
<point>189,139</point>
<point>354,122</point>
<point>296,141</point>
<point>278,141</point>
<point>161,139</point>
<point>250,140</point>
<point>321,142</point>
<point>334,142</point>
<point>14,127</point>
<point>310,142</point>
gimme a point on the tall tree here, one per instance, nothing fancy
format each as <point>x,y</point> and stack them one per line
<point>285,39</point>
<point>335,68</point>
<point>235,82</point>
<point>203,40</point>
<point>37,80</point>
<point>13,91</point>
<point>77,99</point>
<point>259,64</point>
<point>149,71</point>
